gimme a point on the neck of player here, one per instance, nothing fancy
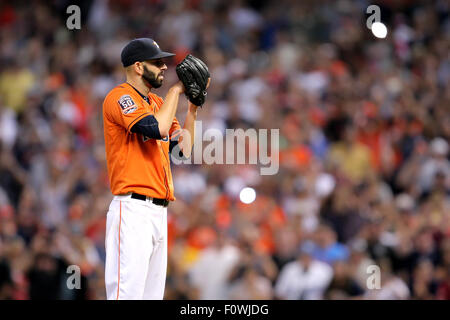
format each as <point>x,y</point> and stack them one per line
<point>139,84</point>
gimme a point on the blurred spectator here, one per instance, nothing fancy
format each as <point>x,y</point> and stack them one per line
<point>351,157</point>
<point>5,278</point>
<point>305,278</point>
<point>343,285</point>
<point>443,292</point>
<point>436,166</point>
<point>46,278</point>
<point>251,286</point>
<point>326,248</point>
<point>212,269</point>
<point>391,287</point>
<point>423,284</point>
<point>15,83</point>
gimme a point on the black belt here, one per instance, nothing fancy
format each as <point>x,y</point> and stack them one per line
<point>157,201</point>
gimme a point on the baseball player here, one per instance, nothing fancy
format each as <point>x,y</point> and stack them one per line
<point>139,130</point>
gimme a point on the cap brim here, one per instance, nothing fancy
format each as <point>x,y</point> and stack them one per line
<point>162,55</point>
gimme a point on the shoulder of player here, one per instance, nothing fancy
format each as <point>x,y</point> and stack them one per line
<point>117,92</point>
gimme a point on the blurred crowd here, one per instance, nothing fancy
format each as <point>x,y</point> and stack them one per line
<point>364,173</point>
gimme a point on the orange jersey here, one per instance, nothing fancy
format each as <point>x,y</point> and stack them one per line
<point>135,163</point>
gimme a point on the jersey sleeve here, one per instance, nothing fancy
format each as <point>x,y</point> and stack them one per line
<point>124,109</point>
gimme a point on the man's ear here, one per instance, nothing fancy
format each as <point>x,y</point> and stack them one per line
<point>138,68</point>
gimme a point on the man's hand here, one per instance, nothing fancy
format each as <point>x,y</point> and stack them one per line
<point>179,87</point>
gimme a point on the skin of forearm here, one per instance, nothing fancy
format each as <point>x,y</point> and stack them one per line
<point>189,126</point>
<point>166,113</point>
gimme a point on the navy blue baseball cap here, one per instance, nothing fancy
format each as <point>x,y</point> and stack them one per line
<point>142,49</point>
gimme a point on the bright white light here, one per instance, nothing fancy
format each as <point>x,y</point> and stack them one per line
<point>325,184</point>
<point>379,30</point>
<point>247,195</point>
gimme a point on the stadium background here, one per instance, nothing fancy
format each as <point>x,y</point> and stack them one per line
<point>364,124</point>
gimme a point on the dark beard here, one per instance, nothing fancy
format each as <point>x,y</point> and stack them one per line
<point>151,78</point>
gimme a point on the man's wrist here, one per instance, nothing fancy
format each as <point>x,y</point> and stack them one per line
<point>193,108</point>
<point>176,89</point>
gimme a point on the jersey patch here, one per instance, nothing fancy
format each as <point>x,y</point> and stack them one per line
<point>127,104</point>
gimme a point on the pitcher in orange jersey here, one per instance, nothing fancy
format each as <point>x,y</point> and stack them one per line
<point>139,130</point>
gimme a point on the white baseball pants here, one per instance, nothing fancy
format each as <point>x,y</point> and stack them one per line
<point>136,249</point>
